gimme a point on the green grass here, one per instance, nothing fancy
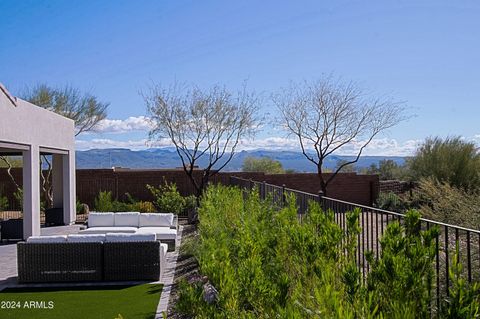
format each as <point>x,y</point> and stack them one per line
<point>103,302</point>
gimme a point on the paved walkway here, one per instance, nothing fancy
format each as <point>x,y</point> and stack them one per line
<point>8,254</point>
<point>168,277</point>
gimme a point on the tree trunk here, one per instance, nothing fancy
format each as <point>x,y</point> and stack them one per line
<point>323,185</point>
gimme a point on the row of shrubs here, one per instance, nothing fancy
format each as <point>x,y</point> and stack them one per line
<point>439,201</point>
<point>266,264</point>
<point>166,199</point>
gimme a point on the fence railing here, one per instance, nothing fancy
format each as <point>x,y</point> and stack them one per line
<point>374,222</point>
<point>4,215</point>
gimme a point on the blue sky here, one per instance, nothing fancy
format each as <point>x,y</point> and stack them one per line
<point>426,53</point>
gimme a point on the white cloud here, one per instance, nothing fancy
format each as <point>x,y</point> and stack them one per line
<point>130,144</point>
<point>131,124</point>
<point>381,146</point>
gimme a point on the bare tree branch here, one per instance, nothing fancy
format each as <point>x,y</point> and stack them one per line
<point>328,115</point>
<point>202,124</point>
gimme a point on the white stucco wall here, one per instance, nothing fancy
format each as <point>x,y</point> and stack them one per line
<point>30,124</point>
<point>27,125</point>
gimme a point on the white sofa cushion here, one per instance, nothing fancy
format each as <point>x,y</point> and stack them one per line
<point>118,237</point>
<point>101,219</point>
<point>164,249</point>
<point>127,219</point>
<point>47,239</point>
<point>112,229</point>
<point>165,233</point>
<point>156,220</point>
<point>87,238</point>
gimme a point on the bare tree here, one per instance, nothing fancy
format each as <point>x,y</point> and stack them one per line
<point>328,115</point>
<point>202,124</point>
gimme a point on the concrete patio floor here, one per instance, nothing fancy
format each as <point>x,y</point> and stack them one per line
<point>8,254</point>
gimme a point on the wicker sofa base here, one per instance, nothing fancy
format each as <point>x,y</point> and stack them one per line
<point>57,262</point>
<point>141,261</point>
<point>77,262</point>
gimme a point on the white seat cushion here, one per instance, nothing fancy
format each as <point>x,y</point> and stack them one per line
<point>47,239</point>
<point>116,237</point>
<point>164,248</point>
<point>161,232</point>
<point>87,238</point>
<point>101,219</point>
<point>104,230</point>
<point>127,219</point>
<point>156,220</point>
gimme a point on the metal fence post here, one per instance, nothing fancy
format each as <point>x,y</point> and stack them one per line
<point>284,197</point>
<point>264,190</point>
<point>251,184</point>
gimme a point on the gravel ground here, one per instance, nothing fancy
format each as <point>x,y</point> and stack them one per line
<point>187,268</point>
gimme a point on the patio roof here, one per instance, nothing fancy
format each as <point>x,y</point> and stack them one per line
<point>28,130</point>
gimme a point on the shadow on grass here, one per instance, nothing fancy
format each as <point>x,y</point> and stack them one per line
<point>67,288</point>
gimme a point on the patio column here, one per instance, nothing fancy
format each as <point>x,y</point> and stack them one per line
<point>31,192</point>
<point>63,183</point>
<point>57,180</point>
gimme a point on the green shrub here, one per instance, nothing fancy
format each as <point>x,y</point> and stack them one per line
<point>19,198</point>
<point>404,271</point>
<point>104,202</point>
<point>464,298</point>
<point>391,201</point>
<point>451,160</point>
<point>265,263</point>
<point>143,207</point>
<point>3,202</point>
<point>167,199</point>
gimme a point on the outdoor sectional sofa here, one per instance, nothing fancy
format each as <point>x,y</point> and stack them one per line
<point>164,226</point>
<point>91,257</point>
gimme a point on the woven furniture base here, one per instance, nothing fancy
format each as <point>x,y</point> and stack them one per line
<point>57,262</point>
<point>132,261</point>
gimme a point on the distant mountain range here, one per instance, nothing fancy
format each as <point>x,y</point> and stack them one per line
<point>168,158</point>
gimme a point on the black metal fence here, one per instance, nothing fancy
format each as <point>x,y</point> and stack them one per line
<point>374,222</point>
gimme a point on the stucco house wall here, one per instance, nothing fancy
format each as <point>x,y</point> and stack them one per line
<point>29,130</point>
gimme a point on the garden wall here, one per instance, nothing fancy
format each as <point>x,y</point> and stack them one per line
<point>360,189</point>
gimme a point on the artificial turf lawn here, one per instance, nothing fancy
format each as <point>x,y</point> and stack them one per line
<point>105,302</point>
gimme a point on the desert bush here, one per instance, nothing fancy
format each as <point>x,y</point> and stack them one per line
<point>143,207</point>
<point>167,198</point>
<point>265,263</point>
<point>391,201</point>
<point>104,202</point>
<point>19,198</point>
<point>443,202</point>
<point>3,202</point>
<point>452,160</point>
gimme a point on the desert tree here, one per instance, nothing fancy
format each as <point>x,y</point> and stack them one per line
<point>84,109</point>
<point>262,164</point>
<point>329,115</point>
<point>204,125</point>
